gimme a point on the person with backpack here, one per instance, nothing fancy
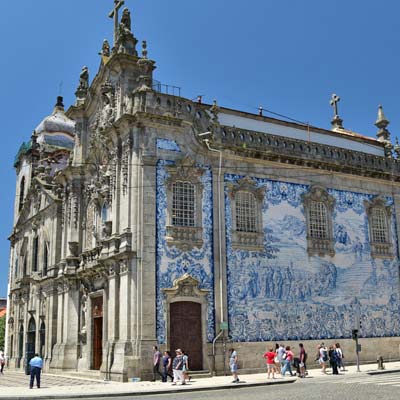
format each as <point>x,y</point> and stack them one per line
<point>323,357</point>
<point>177,368</point>
<point>340,355</point>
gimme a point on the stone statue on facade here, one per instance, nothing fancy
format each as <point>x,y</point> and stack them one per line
<point>105,50</point>
<point>84,79</point>
<point>83,88</point>
<point>126,20</point>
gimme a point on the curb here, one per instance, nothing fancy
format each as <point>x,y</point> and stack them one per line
<point>385,371</point>
<point>149,393</point>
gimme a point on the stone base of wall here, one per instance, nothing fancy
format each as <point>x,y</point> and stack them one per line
<point>251,360</point>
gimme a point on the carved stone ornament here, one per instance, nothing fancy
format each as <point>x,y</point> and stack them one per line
<point>185,286</point>
<point>252,240</point>
<point>319,245</point>
<point>381,241</point>
<point>185,170</point>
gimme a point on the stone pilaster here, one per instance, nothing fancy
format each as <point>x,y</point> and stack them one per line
<point>122,366</point>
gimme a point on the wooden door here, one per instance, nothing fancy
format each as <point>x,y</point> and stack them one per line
<point>97,313</point>
<point>186,332</point>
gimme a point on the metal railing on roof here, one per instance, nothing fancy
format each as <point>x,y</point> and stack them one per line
<point>166,89</point>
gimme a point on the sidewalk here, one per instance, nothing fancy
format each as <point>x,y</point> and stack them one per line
<point>111,389</point>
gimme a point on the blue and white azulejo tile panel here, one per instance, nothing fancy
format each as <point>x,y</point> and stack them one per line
<point>172,263</point>
<point>283,294</point>
<point>167,144</point>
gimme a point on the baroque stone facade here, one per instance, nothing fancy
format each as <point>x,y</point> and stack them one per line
<point>145,218</point>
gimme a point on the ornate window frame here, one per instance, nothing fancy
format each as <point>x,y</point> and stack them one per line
<point>379,249</point>
<point>319,246</point>
<point>242,240</point>
<point>185,237</point>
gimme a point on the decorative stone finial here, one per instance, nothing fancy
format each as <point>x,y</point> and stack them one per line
<point>144,49</point>
<point>83,87</point>
<point>381,123</point>
<point>214,110</point>
<point>336,122</point>
<point>59,103</point>
<point>397,148</point>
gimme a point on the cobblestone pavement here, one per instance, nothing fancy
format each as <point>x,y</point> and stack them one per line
<point>18,379</point>
<point>365,387</point>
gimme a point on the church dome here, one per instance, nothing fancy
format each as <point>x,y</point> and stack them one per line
<point>57,130</point>
<point>57,122</point>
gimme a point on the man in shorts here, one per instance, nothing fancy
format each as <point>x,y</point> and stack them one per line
<point>233,364</point>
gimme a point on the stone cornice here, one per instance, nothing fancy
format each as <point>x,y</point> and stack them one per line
<point>265,146</point>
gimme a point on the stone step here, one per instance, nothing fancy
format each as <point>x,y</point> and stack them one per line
<point>87,375</point>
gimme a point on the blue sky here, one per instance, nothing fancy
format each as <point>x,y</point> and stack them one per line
<point>286,55</point>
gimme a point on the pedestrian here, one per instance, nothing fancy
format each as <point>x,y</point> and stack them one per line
<point>270,359</point>
<point>2,361</point>
<point>333,360</point>
<point>166,365</point>
<point>280,354</point>
<point>156,363</point>
<point>340,356</point>
<point>36,365</point>
<point>185,370</point>
<point>177,367</point>
<point>276,359</point>
<point>303,359</point>
<point>233,363</point>
<point>287,358</point>
<point>323,357</point>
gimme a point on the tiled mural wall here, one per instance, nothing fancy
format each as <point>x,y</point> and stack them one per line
<point>172,263</point>
<point>282,294</point>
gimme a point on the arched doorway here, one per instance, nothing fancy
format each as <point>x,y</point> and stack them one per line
<point>42,341</point>
<point>186,331</point>
<point>97,324</point>
<point>20,345</point>
<point>31,339</point>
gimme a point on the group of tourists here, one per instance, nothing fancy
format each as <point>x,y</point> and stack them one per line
<point>179,366</point>
<point>281,359</point>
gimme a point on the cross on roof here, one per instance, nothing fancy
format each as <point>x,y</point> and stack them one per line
<point>114,14</point>
<point>334,100</point>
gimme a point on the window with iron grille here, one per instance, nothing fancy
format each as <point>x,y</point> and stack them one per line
<point>183,204</point>
<point>318,220</point>
<point>246,208</point>
<point>379,226</point>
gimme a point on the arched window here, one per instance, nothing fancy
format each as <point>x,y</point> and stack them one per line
<point>21,193</point>
<point>16,268</point>
<point>379,215</point>
<point>318,207</point>
<point>45,258</point>
<point>379,227</point>
<point>246,209</point>
<point>183,204</point>
<point>318,220</point>
<point>25,269</point>
<point>246,205</point>
<point>35,254</point>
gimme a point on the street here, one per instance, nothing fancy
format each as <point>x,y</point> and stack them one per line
<point>363,387</point>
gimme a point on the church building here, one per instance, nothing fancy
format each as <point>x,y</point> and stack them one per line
<point>144,218</point>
